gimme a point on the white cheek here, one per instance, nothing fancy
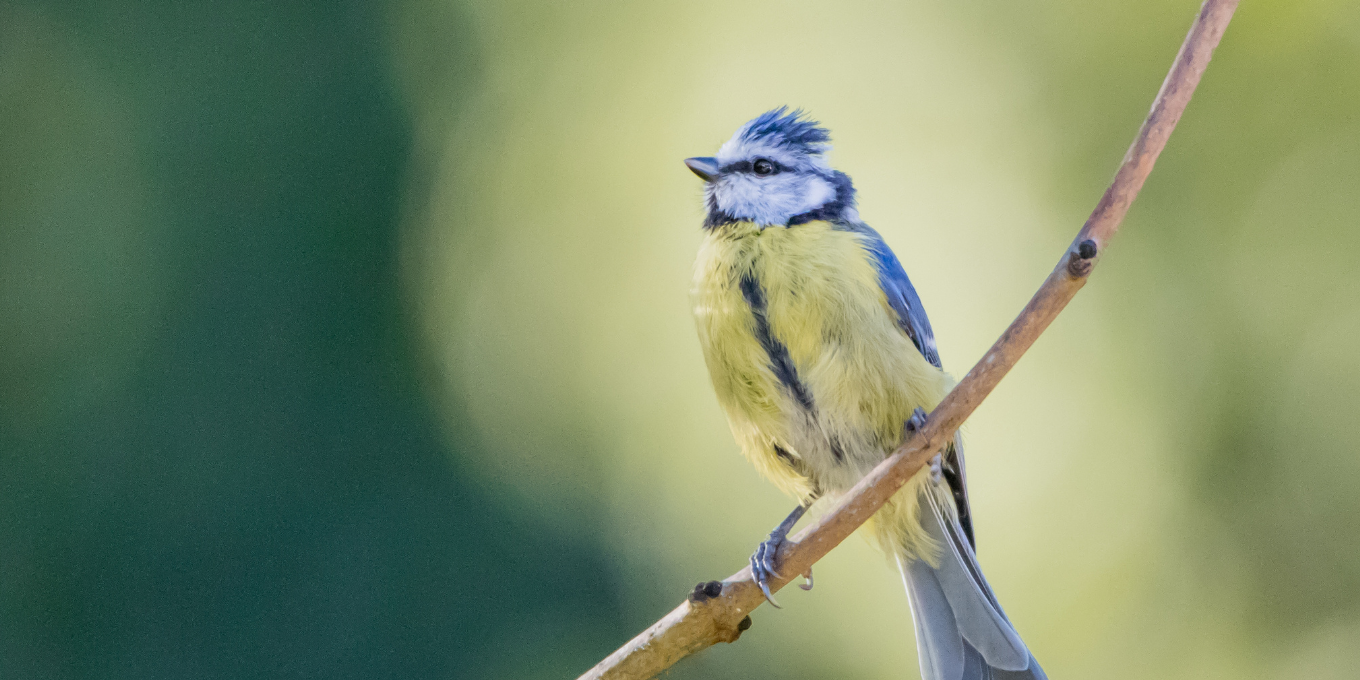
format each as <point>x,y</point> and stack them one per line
<point>784,195</point>
<point>816,193</point>
<point>771,200</point>
<point>738,196</point>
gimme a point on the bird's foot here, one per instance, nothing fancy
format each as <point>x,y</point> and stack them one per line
<point>765,561</point>
<point>807,575</point>
<point>915,422</point>
<point>910,429</point>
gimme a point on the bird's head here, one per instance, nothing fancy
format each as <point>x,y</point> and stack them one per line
<point>773,172</point>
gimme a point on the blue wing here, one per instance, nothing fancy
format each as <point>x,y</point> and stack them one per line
<point>911,315</point>
<point>911,318</point>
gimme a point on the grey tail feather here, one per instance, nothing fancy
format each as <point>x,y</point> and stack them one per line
<point>961,631</point>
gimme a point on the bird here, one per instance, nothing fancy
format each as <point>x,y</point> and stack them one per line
<point>824,361</point>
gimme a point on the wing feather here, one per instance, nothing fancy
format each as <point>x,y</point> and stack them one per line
<point>902,297</point>
<point>912,319</point>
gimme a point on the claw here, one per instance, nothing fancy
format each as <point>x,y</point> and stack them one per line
<point>763,564</point>
<point>768,552</point>
<point>761,574</point>
<point>765,588</point>
<point>807,575</point>
<point>936,468</point>
<point>766,557</point>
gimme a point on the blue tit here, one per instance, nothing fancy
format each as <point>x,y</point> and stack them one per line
<point>823,359</point>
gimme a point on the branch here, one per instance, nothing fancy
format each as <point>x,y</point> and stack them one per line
<point>718,612</point>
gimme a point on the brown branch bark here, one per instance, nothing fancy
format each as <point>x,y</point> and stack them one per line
<point>717,615</point>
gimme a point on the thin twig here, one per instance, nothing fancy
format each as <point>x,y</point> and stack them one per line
<point>710,616</point>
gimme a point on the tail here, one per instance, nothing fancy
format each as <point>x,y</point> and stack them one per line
<point>961,631</point>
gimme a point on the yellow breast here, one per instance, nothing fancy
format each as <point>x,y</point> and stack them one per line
<point>824,305</point>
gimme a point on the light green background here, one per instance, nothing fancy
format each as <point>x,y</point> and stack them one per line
<point>355,341</point>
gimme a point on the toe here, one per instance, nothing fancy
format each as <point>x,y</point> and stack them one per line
<point>768,553</point>
<point>761,575</point>
<point>917,420</point>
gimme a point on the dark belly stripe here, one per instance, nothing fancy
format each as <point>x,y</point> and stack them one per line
<point>785,456</point>
<point>780,362</point>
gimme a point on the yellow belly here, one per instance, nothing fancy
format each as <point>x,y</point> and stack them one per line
<point>862,373</point>
<point>825,306</point>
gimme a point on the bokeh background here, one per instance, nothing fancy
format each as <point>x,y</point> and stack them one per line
<point>351,340</point>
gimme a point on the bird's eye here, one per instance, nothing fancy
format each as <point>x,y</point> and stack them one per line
<point>763,167</point>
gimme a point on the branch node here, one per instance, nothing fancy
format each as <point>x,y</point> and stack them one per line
<point>706,591</point>
<point>1081,260</point>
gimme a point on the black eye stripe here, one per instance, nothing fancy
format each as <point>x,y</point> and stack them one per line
<point>749,166</point>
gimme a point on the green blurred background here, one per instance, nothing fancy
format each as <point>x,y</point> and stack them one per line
<point>351,340</point>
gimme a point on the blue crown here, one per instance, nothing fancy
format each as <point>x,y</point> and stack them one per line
<point>790,129</point>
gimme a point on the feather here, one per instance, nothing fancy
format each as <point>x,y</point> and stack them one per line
<point>938,643</point>
<point>980,618</point>
<point>902,297</point>
<point>961,631</point>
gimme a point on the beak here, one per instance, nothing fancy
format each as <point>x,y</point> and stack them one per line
<point>706,167</point>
